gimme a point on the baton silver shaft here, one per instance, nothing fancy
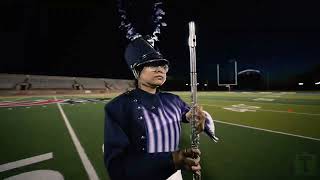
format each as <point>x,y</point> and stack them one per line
<point>195,137</point>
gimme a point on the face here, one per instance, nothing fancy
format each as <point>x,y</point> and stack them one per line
<point>153,74</point>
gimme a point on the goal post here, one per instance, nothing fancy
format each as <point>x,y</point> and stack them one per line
<point>227,74</point>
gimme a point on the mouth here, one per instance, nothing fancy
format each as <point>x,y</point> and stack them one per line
<point>159,77</point>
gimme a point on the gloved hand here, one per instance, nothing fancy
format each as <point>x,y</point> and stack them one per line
<point>209,127</point>
<point>204,122</point>
<point>200,117</point>
<point>187,159</point>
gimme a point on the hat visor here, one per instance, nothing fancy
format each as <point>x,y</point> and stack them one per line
<point>153,60</point>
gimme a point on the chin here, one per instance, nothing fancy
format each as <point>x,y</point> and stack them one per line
<point>158,83</point>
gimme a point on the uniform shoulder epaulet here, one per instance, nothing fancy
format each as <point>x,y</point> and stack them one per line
<point>122,97</point>
<point>129,92</point>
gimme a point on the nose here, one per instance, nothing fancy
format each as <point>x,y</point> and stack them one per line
<point>160,69</point>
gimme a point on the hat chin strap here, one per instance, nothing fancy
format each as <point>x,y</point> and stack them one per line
<point>135,73</point>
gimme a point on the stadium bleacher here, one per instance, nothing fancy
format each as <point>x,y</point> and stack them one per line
<point>51,82</point>
<point>10,81</point>
<point>58,84</point>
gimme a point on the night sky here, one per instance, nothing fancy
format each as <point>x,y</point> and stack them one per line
<point>81,38</point>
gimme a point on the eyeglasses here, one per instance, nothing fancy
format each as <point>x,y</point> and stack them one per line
<point>153,67</point>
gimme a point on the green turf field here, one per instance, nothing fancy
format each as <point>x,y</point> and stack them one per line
<point>263,135</point>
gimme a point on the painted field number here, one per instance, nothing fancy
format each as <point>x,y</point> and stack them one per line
<point>242,108</point>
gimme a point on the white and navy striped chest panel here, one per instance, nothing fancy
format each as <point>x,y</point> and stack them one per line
<point>162,127</point>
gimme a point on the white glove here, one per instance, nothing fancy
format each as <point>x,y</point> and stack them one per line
<point>209,128</point>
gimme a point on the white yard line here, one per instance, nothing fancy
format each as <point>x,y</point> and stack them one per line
<point>257,102</point>
<point>25,162</point>
<point>267,130</point>
<point>269,110</point>
<point>83,156</point>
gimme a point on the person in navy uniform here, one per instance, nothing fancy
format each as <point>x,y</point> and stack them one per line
<point>143,126</point>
